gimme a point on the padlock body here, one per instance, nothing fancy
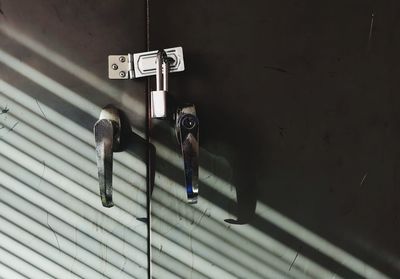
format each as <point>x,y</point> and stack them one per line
<point>158,104</point>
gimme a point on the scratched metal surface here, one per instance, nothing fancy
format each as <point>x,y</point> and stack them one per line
<point>299,130</point>
<point>53,83</point>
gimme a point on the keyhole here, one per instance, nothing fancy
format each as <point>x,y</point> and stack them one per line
<point>189,122</point>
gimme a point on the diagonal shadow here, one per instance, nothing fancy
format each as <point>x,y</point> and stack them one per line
<point>243,219</point>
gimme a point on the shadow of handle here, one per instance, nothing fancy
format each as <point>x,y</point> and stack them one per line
<point>246,192</point>
<point>138,147</point>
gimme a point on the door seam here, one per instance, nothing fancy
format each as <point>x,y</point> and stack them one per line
<point>148,149</point>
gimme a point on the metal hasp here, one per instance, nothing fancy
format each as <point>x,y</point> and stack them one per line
<point>159,63</point>
<point>187,133</point>
<point>107,134</point>
<point>130,66</point>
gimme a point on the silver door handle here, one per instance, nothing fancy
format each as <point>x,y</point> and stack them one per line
<point>107,133</point>
<point>187,132</point>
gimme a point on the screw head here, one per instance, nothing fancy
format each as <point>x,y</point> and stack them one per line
<point>122,74</point>
<point>122,59</point>
<point>114,66</point>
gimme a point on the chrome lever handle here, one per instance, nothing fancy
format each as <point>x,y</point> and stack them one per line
<point>107,133</point>
<point>187,132</point>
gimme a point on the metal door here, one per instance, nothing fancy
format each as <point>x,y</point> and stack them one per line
<point>298,134</point>
<point>53,84</point>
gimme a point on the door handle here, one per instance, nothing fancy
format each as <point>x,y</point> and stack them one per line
<point>187,133</point>
<point>107,133</point>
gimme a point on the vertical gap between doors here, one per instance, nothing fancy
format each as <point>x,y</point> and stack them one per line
<point>148,150</point>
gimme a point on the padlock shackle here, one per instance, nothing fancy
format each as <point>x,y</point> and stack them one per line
<point>159,71</point>
<point>165,67</point>
<point>162,69</point>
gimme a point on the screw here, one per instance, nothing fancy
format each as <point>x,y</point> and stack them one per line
<point>114,66</point>
<point>122,74</point>
<point>122,59</point>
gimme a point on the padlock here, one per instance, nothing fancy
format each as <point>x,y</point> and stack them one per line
<point>158,97</point>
